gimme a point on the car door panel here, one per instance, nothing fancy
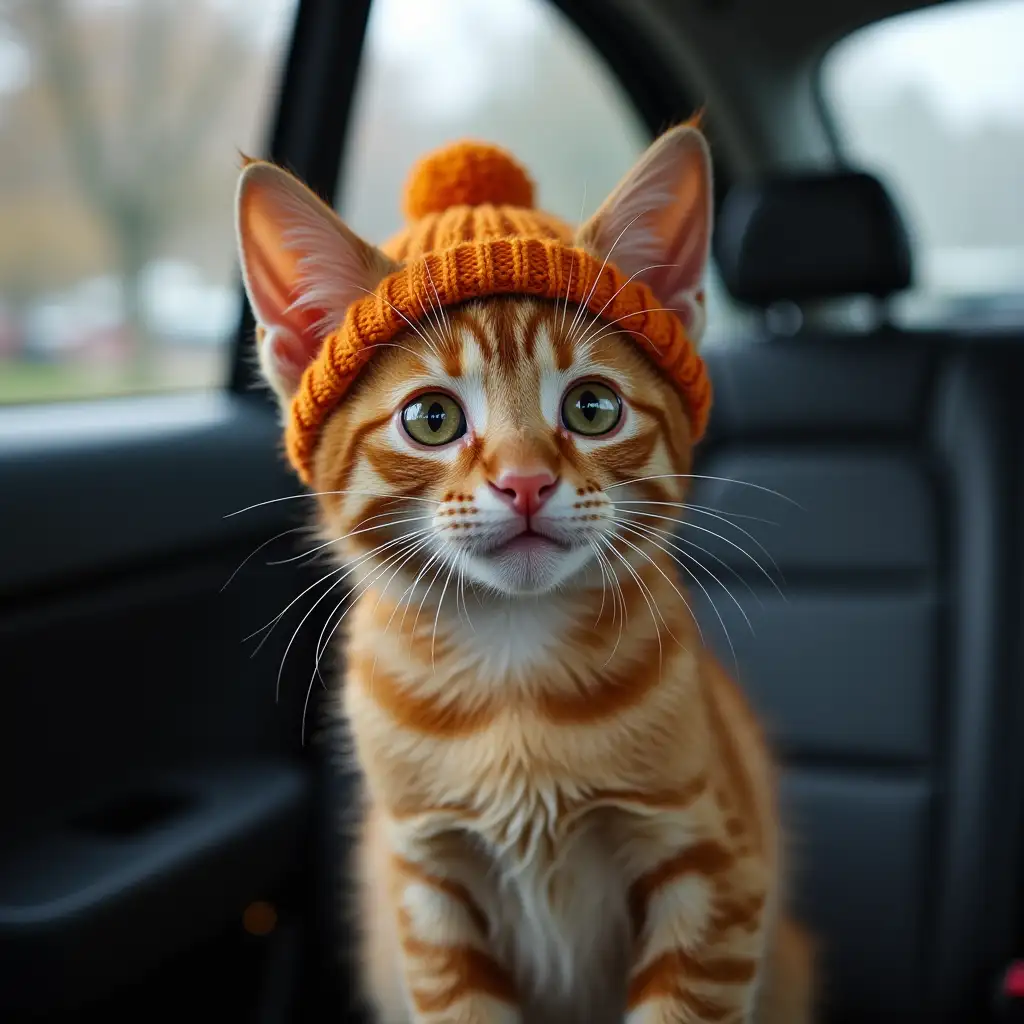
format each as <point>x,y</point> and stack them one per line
<point>154,782</point>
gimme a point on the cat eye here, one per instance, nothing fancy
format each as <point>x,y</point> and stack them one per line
<point>434,419</point>
<point>591,409</point>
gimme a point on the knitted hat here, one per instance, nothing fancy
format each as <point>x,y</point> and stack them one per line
<point>472,232</point>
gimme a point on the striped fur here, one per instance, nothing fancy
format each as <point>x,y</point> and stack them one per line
<point>571,810</point>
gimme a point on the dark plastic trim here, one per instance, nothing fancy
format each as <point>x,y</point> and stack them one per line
<point>977,838</point>
<point>77,899</point>
<point>641,68</point>
<point>311,125</point>
<point>102,485</point>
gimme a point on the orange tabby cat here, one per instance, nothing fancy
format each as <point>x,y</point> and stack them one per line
<point>571,812</point>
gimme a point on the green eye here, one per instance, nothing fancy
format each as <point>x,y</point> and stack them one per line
<point>434,419</point>
<point>591,409</point>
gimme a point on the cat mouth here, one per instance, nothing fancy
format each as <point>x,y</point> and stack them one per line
<point>528,542</point>
<point>530,561</point>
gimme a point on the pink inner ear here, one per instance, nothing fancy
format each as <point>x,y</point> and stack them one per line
<point>305,323</point>
<point>273,274</point>
<point>290,355</point>
<point>685,247</point>
<point>672,187</point>
<point>275,277</point>
<point>298,343</point>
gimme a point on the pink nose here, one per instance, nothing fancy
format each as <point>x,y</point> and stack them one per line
<point>525,492</point>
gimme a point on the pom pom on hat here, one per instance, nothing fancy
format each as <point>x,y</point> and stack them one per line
<point>466,174</point>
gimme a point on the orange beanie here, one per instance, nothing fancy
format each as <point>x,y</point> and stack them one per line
<point>472,233</point>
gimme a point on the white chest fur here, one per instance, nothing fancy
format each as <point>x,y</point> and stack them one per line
<point>557,903</point>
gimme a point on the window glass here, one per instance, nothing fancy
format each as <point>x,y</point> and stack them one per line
<point>517,73</point>
<point>120,125</point>
<point>933,103</point>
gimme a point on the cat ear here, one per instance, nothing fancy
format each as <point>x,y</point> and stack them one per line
<point>656,224</point>
<point>302,269</point>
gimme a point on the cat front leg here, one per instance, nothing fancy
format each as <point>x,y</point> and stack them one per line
<point>451,974</point>
<point>699,919</point>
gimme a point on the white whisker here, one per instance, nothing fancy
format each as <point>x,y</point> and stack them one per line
<point>462,589</point>
<point>649,536</point>
<point>743,551</point>
<point>668,579</point>
<point>355,533</point>
<point>671,540</point>
<point>713,515</point>
<point>610,329</point>
<point>731,515</point>
<point>619,610</point>
<point>402,602</point>
<point>583,305</point>
<point>403,348</point>
<point>604,584</point>
<point>429,342</point>
<point>599,324</point>
<point>644,592</point>
<point>409,538</point>
<point>674,536</point>
<point>382,591</point>
<point>700,476</point>
<point>321,642</point>
<point>572,265</point>
<point>409,551</point>
<point>447,327</point>
<point>430,586</point>
<point>431,324</point>
<point>440,605</point>
<point>341,569</point>
<point>328,494</point>
<point>415,583</point>
<point>257,550</point>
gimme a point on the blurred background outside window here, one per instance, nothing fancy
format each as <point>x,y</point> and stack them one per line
<point>120,125</point>
<point>933,103</point>
<point>514,72</point>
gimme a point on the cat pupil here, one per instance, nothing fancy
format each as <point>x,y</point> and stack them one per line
<point>589,405</point>
<point>435,417</point>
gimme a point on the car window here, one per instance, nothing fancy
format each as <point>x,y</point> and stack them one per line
<point>120,125</point>
<point>517,73</point>
<point>933,102</point>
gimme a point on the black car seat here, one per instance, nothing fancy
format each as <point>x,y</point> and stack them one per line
<point>887,664</point>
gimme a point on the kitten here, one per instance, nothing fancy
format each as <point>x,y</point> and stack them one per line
<point>571,812</point>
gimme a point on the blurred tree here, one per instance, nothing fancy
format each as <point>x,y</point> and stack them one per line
<point>134,95</point>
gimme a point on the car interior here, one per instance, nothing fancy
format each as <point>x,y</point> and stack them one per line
<point>177,795</point>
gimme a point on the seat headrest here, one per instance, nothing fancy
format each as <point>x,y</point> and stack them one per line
<point>811,236</point>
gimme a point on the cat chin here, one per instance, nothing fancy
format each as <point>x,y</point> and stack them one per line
<point>528,569</point>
